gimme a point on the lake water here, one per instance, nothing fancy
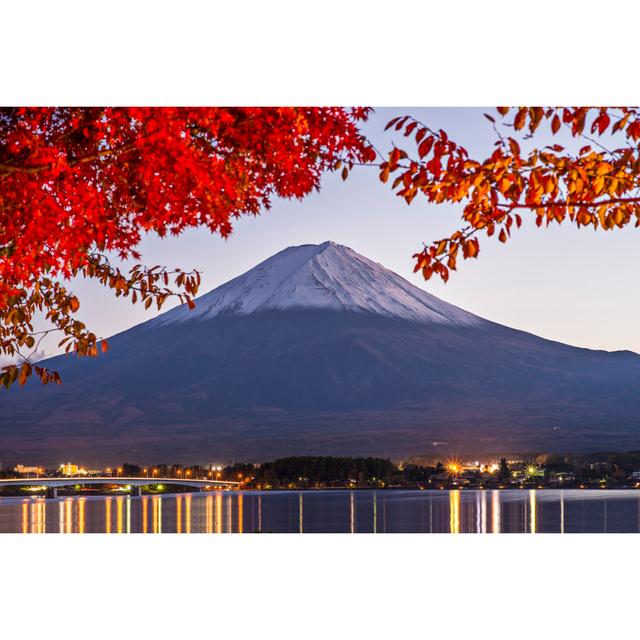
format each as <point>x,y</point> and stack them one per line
<point>391,511</point>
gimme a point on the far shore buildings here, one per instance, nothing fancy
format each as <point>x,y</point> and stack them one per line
<point>70,469</point>
<point>20,468</point>
<point>65,469</point>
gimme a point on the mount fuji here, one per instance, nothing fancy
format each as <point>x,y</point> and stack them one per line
<point>319,350</point>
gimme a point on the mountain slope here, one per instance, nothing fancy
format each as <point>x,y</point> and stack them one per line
<point>320,350</point>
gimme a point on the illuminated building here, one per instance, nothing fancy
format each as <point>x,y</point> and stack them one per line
<point>70,469</point>
<point>20,468</point>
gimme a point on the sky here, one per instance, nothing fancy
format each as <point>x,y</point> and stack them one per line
<point>575,286</point>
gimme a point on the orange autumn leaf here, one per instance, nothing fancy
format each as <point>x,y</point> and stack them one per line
<point>597,187</point>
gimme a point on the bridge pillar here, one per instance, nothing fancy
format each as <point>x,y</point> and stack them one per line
<point>52,492</point>
<point>139,490</point>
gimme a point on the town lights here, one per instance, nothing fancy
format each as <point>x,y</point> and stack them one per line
<point>454,468</point>
<point>531,470</point>
<point>146,472</point>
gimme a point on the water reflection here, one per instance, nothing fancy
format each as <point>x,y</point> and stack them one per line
<point>107,515</point>
<point>119,504</point>
<point>458,511</point>
<point>209,514</point>
<point>156,514</point>
<point>229,514</point>
<point>145,513</point>
<point>352,512</point>
<point>375,512</point>
<point>454,511</point>
<point>219,513</point>
<point>495,511</point>
<point>532,510</point>
<point>80,503</point>
<point>187,512</point>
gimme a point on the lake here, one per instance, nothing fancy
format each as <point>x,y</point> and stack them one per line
<point>331,511</point>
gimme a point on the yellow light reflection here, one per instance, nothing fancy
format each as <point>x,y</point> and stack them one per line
<point>209,513</point>
<point>33,517</point>
<point>495,511</point>
<point>454,511</point>
<point>532,511</point>
<point>178,514</point>
<point>155,514</point>
<point>145,513</point>
<point>68,515</point>
<point>218,512</point>
<point>107,515</point>
<point>119,518</point>
<point>128,514</point>
<point>42,516</point>
<point>36,518</point>
<point>25,517</point>
<point>240,513</point>
<point>81,519</point>
<point>61,517</point>
<point>483,512</point>
<point>187,513</point>
<point>562,512</point>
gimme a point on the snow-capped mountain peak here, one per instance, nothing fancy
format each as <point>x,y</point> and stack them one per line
<point>326,276</point>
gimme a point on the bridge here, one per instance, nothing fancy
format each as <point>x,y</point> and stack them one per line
<point>53,484</point>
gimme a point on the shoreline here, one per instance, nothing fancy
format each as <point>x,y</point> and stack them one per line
<point>96,495</point>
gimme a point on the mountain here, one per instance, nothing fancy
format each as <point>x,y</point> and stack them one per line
<point>320,350</point>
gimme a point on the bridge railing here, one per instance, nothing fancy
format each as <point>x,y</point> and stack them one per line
<point>120,480</point>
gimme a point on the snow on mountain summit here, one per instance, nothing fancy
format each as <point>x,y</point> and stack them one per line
<point>325,276</point>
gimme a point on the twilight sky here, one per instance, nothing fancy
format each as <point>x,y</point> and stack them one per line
<point>575,286</point>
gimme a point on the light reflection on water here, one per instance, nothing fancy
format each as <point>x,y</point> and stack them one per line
<point>456,511</point>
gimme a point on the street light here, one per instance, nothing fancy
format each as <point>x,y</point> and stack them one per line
<point>146,472</point>
<point>155,472</point>
<point>109,471</point>
<point>119,472</point>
